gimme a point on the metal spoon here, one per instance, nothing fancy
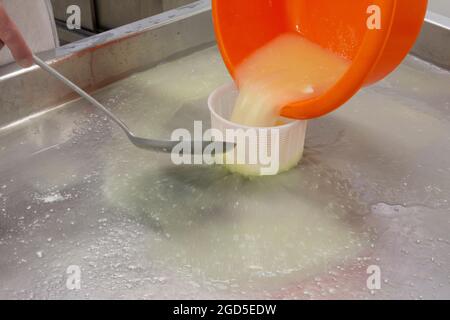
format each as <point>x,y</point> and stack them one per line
<point>165,146</point>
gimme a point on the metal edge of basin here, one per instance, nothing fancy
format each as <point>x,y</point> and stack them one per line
<point>433,44</point>
<point>107,57</point>
<point>103,58</point>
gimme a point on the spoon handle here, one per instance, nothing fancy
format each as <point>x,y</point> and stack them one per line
<point>82,93</point>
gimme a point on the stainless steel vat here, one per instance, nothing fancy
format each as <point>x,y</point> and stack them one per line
<point>377,171</point>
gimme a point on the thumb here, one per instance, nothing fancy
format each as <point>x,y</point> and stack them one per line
<point>12,38</point>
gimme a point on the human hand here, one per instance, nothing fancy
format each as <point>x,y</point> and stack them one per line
<point>13,39</point>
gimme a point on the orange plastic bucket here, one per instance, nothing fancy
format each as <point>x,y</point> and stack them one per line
<point>243,26</point>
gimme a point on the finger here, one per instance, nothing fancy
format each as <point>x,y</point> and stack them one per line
<point>1,44</point>
<point>12,38</point>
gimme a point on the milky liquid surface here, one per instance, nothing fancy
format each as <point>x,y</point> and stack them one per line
<point>221,227</point>
<point>372,190</point>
